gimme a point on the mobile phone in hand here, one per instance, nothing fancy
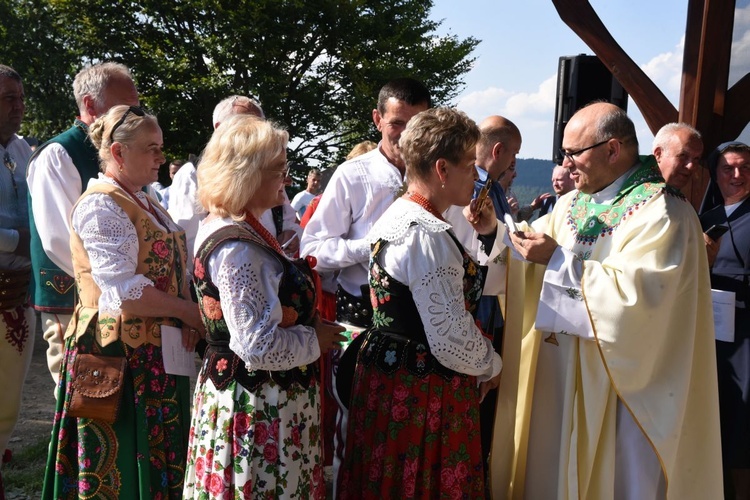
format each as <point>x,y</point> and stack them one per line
<point>482,196</point>
<point>716,231</point>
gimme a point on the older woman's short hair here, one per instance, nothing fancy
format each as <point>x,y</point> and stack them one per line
<point>120,124</point>
<point>229,172</point>
<point>433,134</point>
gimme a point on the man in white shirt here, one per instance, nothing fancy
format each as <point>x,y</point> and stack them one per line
<point>304,197</point>
<point>57,174</point>
<point>358,193</point>
<point>174,167</point>
<point>17,318</point>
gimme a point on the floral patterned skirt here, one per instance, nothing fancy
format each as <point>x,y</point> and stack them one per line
<point>412,437</point>
<point>262,444</point>
<point>141,455</point>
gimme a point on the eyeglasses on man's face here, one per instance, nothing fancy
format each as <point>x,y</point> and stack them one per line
<point>570,155</point>
<point>137,111</point>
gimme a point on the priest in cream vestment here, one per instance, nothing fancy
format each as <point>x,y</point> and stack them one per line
<point>617,391</point>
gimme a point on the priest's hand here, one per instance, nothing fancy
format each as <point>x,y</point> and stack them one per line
<point>534,247</point>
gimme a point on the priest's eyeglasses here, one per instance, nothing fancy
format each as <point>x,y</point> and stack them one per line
<point>570,155</point>
<point>137,111</point>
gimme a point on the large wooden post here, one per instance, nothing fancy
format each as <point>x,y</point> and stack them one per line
<point>720,114</point>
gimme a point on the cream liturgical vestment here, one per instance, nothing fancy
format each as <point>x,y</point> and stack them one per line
<point>620,401</point>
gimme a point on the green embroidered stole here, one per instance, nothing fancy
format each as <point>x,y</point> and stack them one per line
<point>590,220</point>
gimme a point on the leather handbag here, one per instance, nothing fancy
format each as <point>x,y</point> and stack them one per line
<point>97,387</point>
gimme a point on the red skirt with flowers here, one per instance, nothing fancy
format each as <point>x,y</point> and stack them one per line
<point>412,437</point>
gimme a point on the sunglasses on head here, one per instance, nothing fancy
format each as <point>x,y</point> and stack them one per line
<point>137,111</point>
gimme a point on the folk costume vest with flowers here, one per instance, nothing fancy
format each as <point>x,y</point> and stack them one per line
<point>397,339</point>
<point>162,257</point>
<point>297,295</point>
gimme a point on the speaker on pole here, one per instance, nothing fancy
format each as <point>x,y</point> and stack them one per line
<point>582,79</point>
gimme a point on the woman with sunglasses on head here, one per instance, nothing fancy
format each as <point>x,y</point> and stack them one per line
<point>121,424</point>
<point>256,409</point>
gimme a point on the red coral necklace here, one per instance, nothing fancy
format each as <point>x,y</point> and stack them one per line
<point>424,203</point>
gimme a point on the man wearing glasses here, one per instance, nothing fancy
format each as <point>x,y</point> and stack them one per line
<point>17,319</point>
<point>58,173</point>
<point>617,390</point>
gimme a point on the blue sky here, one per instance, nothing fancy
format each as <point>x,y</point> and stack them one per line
<point>515,72</point>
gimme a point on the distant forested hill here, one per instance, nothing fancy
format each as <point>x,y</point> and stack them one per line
<point>533,179</point>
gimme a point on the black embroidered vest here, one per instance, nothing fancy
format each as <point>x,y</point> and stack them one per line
<point>398,337</point>
<point>296,294</point>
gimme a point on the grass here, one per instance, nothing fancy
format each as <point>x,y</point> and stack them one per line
<point>25,472</point>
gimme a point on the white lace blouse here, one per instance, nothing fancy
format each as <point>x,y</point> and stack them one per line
<point>426,259</point>
<point>248,280</point>
<point>111,242</point>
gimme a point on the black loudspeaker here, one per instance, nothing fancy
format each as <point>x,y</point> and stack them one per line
<point>582,79</point>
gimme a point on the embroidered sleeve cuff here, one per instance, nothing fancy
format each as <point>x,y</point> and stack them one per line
<point>111,299</point>
<point>562,308</point>
<point>497,367</point>
<point>360,249</point>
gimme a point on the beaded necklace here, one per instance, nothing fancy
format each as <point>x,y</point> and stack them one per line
<point>263,232</point>
<point>424,203</point>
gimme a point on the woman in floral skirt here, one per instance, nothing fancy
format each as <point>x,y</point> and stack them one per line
<point>414,410</point>
<point>129,260</point>
<point>256,411</point>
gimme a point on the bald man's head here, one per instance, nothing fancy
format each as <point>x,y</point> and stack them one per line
<point>498,145</point>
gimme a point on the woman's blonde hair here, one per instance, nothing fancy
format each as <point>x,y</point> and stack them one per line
<point>100,132</point>
<point>229,172</point>
<point>360,149</point>
<point>433,134</point>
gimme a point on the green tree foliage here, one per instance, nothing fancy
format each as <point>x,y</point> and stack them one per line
<point>316,65</point>
<point>34,42</point>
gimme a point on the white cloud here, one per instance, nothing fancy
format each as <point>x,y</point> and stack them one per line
<point>665,70</point>
<point>533,113</point>
<point>740,64</point>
